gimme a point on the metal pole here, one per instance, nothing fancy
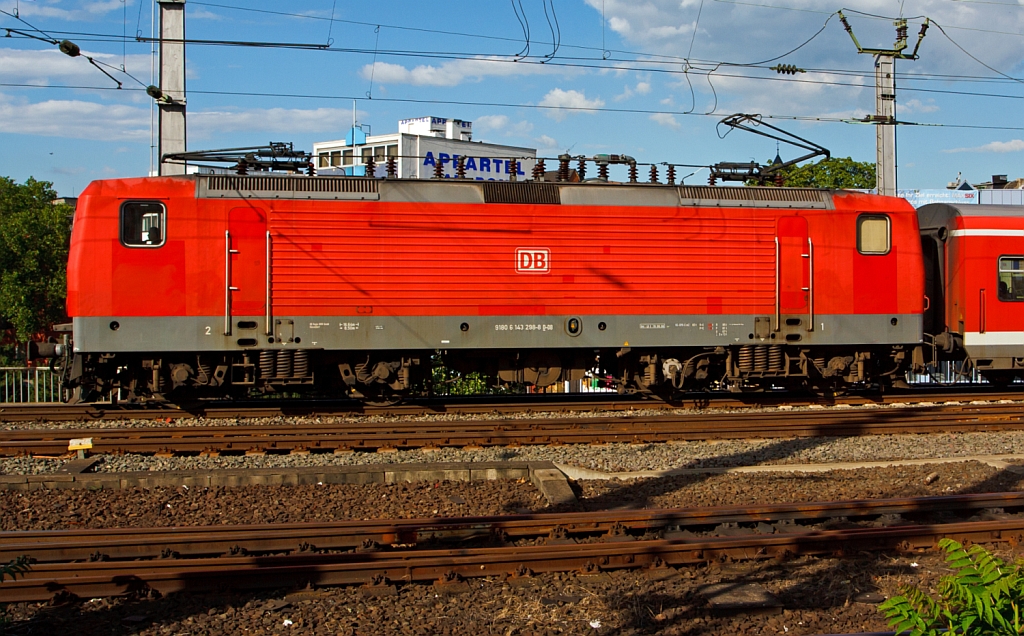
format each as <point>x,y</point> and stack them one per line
<point>171,107</point>
<point>885,110</point>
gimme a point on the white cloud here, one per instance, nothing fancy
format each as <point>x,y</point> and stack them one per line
<point>87,10</point>
<point>519,129</point>
<point>572,101</point>
<point>75,119</point>
<point>502,124</point>
<point>666,31</point>
<point>917,106</point>
<point>1014,145</point>
<point>202,14</point>
<point>455,72</point>
<point>546,142</point>
<point>42,67</point>
<point>665,119</point>
<point>79,119</point>
<point>749,32</point>
<point>490,122</point>
<point>275,120</point>
<point>642,88</point>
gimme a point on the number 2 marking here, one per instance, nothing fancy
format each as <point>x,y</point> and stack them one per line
<point>208,331</point>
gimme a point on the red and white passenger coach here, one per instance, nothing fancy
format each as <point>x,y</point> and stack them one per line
<point>974,261</point>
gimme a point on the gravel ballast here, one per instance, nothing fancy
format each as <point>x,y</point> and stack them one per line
<point>816,596</point>
<point>161,507</point>
<point>605,457</point>
<point>145,507</point>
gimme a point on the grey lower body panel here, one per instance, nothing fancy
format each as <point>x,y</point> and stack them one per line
<point>346,333</point>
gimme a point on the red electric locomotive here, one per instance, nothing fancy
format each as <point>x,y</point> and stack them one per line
<point>213,284</point>
<point>974,272</point>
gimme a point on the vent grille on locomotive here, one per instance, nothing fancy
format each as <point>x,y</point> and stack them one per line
<point>521,192</point>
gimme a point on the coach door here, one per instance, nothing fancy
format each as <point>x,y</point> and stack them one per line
<point>793,273</point>
<point>245,259</point>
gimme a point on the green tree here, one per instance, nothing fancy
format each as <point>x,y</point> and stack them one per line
<point>837,173</point>
<point>34,237</point>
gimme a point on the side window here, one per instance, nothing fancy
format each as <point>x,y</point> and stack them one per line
<point>874,235</point>
<point>143,223</point>
<point>1011,278</point>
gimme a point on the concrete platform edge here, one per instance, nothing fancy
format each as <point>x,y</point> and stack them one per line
<point>1000,462</point>
<point>551,482</point>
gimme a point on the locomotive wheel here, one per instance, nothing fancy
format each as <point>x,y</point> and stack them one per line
<point>381,395</point>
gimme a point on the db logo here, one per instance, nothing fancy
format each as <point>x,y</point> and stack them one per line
<point>533,260</point>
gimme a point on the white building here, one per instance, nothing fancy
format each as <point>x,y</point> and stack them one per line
<point>419,146</point>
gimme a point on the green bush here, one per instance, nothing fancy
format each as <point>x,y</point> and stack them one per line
<point>983,597</point>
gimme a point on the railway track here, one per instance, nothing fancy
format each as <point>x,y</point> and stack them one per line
<point>221,409</point>
<point>379,553</point>
<point>397,433</point>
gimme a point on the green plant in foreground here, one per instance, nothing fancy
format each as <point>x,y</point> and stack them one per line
<point>12,569</point>
<point>18,566</point>
<point>983,597</point>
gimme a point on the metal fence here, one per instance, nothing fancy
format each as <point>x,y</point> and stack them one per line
<point>29,384</point>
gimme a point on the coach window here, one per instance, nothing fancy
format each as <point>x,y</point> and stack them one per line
<point>143,224</point>
<point>873,234</point>
<point>1011,278</point>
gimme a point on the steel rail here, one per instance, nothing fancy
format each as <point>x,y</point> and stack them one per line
<point>199,541</point>
<point>108,578</point>
<point>20,412</point>
<point>406,434</point>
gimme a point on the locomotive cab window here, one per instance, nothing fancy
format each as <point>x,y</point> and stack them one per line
<point>874,235</point>
<point>1011,278</point>
<point>143,223</point>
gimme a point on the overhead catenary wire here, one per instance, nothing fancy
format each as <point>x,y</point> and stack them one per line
<point>668,60</point>
<point>711,68</point>
<point>598,66</point>
<point>525,24</point>
<point>904,75</point>
<point>604,109</point>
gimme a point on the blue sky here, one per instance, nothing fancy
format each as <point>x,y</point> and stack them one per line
<point>648,78</point>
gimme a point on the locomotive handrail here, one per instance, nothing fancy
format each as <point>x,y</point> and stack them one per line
<point>227,282</point>
<point>778,307</point>
<point>810,285</point>
<point>269,329</point>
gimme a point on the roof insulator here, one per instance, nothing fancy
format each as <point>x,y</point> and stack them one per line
<point>787,69</point>
<point>69,48</point>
